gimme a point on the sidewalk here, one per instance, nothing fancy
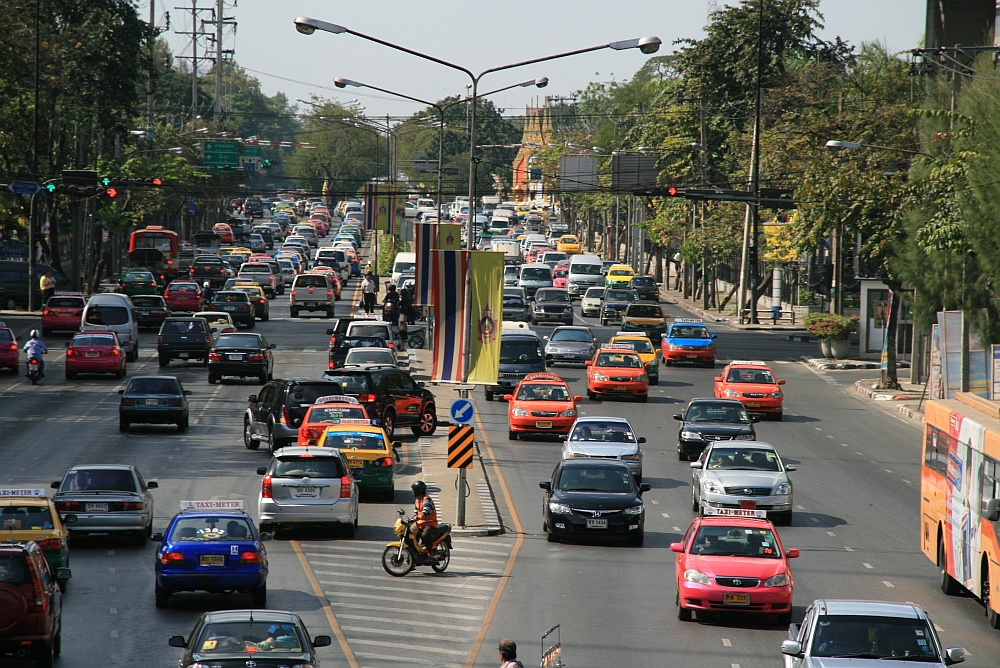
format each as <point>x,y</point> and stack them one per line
<point>676,297</point>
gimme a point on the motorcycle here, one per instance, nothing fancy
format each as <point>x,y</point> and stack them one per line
<point>402,556</point>
<point>389,311</point>
<point>34,370</point>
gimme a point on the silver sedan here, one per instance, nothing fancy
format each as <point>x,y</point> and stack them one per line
<point>107,499</point>
<point>570,344</point>
<point>747,475</point>
<point>605,438</point>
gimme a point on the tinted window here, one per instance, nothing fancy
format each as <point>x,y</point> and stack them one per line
<point>14,569</point>
<point>627,360</point>
<point>107,315</point>
<point>65,302</point>
<point>536,274</point>
<point>183,327</point>
<point>716,413</point>
<point>234,297</point>
<point>99,480</point>
<point>370,330</point>
<point>585,269</point>
<point>153,386</point>
<point>147,300</point>
<point>869,635</point>
<point>620,295</point>
<point>600,430</point>
<point>519,350</point>
<point>552,296</point>
<point>222,527</point>
<point>308,394</point>
<point>351,440</point>
<point>93,340</point>
<point>638,345</point>
<point>238,341</point>
<point>335,414</point>
<point>571,335</point>
<point>645,311</point>
<point>736,541</point>
<point>353,383</point>
<point>617,480</point>
<point>311,282</point>
<point>25,517</point>
<point>311,467</point>
<point>261,634</point>
<point>743,460</point>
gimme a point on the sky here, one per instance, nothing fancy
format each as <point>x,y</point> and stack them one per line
<point>478,36</point>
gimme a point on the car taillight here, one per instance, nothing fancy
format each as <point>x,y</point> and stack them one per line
<point>50,544</point>
<point>265,487</point>
<point>13,346</point>
<point>175,402</point>
<point>293,294</point>
<point>172,558</point>
<point>247,307</point>
<point>262,301</point>
<point>383,461</point>
<point>128,402</point>
<point>251,558</point>
<point>214,357</point>
<point>153,284</point>
<point>365,398</point>
<point>330,364</point>
<point>345,487</point>
<point>256,357</point>
<point>70,352</point>
<point>111,353</point>
<point>67,505</point>
<point>159,340</point>
<point>133,505</point>
<point>286,417</point>
<point>313,432</point>
<point>46,312</point>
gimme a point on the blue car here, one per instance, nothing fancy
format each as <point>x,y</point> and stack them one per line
<point>211,546</point>
<point>688,340</point>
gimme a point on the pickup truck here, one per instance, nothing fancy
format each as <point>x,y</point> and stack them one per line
<point>311,292</point>
<point>268,276</point>
<point>211,268</point>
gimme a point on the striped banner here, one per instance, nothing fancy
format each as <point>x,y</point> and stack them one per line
<point>449,275</point>
<point>424,245</point>
<point>369,203</point>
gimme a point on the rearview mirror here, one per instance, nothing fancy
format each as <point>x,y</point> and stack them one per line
<point>508,397</point>
<point>792,553</point>
<point>718,379</point>
<point>152,484</point>
<point>261,470</point>
<point>177,641</point>
<point>588,363</point>
<point>156,537</point>
<point>644,487</point>
<point>714,336</point>
<point>678,416</point>
<point>252,399</point>
<point>790,467</point>
<point>187,393</point>
<point>992,509</point>
<point>70,519</point>
<point>677,547</point>
<point>695,465</point>
<point>791,648</point>
<point>321,641</point>
<point>642,439</point>
<point>577,398</point>
<point>54,484</point>
<point>781,382</point>
<point>546,485</point>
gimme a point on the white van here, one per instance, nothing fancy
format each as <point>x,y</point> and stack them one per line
<point>116,312</point>
<point>584,273</point>
<point>405,263</point>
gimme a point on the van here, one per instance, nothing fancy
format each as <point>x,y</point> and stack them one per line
<point>520,354</point>
<point>584,273</point>
<point>14,282</point>
<point>405,263</point>
<point>116,313</point>
<point>533,277</point>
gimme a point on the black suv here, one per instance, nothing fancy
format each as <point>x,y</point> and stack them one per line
<point>708,420</point>
<point>275,414</point>
<point>338,330</point>
<point>31,613</point>
<point>184,338</point>
<point>390,395</point>
<point>211,268</point>
<point>645,287</point>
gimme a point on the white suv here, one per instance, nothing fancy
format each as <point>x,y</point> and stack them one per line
<point>311,292</point>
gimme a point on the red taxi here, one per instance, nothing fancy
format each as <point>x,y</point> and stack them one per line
<point>95,351</point>
<point>224,231</point>
<point>328,410</point>
<point>9,351</point>
<point>183,296</point>
<point>62,311</point>
<point>559,277</point>
<point>542,403</point>
<point>752,384</point>
<point>733,561</point>
<point>617,370</point>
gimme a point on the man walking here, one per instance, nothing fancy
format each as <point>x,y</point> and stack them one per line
<point>47,283</point>
<point>368,289</point>
<point>508,654</point>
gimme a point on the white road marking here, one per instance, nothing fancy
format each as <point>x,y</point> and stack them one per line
<point>845,445</point>
<point>849,549</point>
<point>814,519</point>
<point>677,529</point>
<point>888,471</point>
<point>888,584</point>
<point>800,507</point>
<point>858,453</point>
<point>726,642</point>
<point>906,481</point>
<point>665,514</point>
<point>655,502</point>
<point>817,429</point>
<point>867,565</point>
<point>830,533</point>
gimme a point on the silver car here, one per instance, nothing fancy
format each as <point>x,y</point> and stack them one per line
<point>362,356</point>
<point>570,345</point>
<point>866,633</point>
<point>515,305</point>
<point>748,475</point>
<point>308,486</point>
<point>593,300</point>
<point>605,438</point>
<point>107,498</point>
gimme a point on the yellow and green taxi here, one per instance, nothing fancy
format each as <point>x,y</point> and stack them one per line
<point>618,276</point>
<point>139,282</point>
<point>261,307</point>
<point>28,514</point>
<point>568,244</point>
<point>354,230</point>
<point>645,317</point>
<point>648,353</point>
<point>370,454</point>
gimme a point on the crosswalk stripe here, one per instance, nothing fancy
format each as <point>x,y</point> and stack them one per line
<point>397,633</point>
<point>382,608</point>
<point>398,622</point>
<point>422,650</point>
<point>390,597</point>
<point>437,585</point>
<point>352,585</point>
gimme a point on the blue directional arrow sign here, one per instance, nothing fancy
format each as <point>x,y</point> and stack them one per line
<point>24,187</point>
<point>462,411</point>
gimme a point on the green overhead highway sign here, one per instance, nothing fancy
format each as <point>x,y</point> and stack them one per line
<point>251,152</point>
<point>220,155</point>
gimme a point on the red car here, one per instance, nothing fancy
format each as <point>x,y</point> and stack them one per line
<point>559,277</point>
<point>732,560</point>
<point>95,351</point>
<point>331,409</point>
<point>9,351</point>
<point>224,231</point>
<point>62,312</point>
<point>184,296</point>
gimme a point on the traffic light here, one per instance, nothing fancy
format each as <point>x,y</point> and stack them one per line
<point>111,192</point>
<point>132,182</point>
<point>51,187</point>
<point>265,163</point>
<point>673,191</point>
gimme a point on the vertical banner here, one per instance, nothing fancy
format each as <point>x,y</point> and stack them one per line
<point>449,273</point>
<point>486,279</point>
<point>950,324</point>
<point>369,204</point>
<point>936,379</point>
<point>424,245</point>
<point>383,210</point>
<point>995,356</point>
<point>449,236</point>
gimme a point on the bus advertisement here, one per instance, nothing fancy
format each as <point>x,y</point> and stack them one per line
<point>157,237</point>
<point>960,496</point>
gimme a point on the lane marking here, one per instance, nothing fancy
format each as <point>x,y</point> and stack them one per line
<point>726,642</point>
<point>800,507</point>
<point>867,565</point>
<point>849,549</point>
<point>830,533</point>
<point>888,471</point>
<point>324,602</point>
<point>665,514</point>
<point>654,502</point>
<point>677,529</point>
<point>888,584</point>
<point>906,481</point>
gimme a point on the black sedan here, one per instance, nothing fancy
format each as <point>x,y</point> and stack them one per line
<point>645,287</point>
<point>151,310</point>
<point>616,300</point>
<point>345,344</point>
<point>236,304</point>
<point>243,355</point>
<point>261,638</point>
<point>153,400</point>
<point>707,420</point>
<point>593,497</point>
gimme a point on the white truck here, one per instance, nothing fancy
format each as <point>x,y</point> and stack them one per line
<point>511,249</point>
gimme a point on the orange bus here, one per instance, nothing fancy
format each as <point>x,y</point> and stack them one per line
<point>157,237</point>
<point>960,497</point>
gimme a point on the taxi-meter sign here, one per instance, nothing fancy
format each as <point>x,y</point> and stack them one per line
<point>462,411</point>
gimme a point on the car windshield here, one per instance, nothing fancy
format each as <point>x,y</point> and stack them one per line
<point>353,440</point>
<point>371,356</point>
<point>716,413</point>
<point>210,528</point>
<point>599,431</point>
<point>594,293</point>
<point>619,272</point>
<point>608,480</point>
<point>370,330</point>
<point>185,287</point>
<point>519,351</point>
<point>762,376</point>
<point>619,296</point>
<point>638,345</point>
<point>510,300</point>
<point>571,335</point>
<point>231,297</point>
<point>147,300</point>
<point>238,341</point>
<point>81,340</point>
<point>871,636</point>
<point>552,296</point>
<point>734,541</point>
<point>133,276</point>
<point>536,274</point>
<point>542,392</point>
<point>25,517</point>
<point>335,414</point>
<point>255,636</point>
<point>688,332</point>
<point>644,311</point>
<point>738,459</point>
<point>625,360</point>
<point>143,386</point>
<point>107,315</point>
<point>104,480</point>
<point>183,327</point>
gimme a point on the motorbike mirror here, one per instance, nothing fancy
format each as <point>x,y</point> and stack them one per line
<point>401,512</point>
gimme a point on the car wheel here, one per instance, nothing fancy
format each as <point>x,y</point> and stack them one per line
<point>134,355</point>
<point>266,317</point>
<point>776,417</point>
<point>262,377</point>
<point>348,529</point>
<point>644,399</point>
<point>253,323</point>
<point>637,539</point>
<point>329,313</point>
<point>681,456</point>
<point>591,395</point>
<point>604,321</point>
<point>182,425</point>
<point>164,360</point>
<point>683,614</point>
<point>551,537</point>
<point>204,360</point>
<point>46,656</point>
<point>272,443</point>
<point>428,423</point>
<point>783,619</point>
<point>258,596</point>
<point>57,642</point>
<point>511,435</point>
<point>70,375</point>
<point>141,537</point>
<point>249,441</point>
<point>489,396</point>
<point>389,423</point>
<point>295,313</point>
<point>123,424</point>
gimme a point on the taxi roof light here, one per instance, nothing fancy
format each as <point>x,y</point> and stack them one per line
<point>753,362</point>
<point>233,505</point>
<point>32,492</point>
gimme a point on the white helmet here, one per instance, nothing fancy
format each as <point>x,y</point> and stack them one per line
<point>35,334</point>
<point>206,284</point>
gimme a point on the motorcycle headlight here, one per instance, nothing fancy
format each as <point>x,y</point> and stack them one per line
<point>731,393</point>
<point>692,575</point>
<point>559,508</point>
<point>775,395</point>
<point>569,413</point>
<point>783,489</point>
<point>634,510</point>
<point>519,412</point>
<point>711,487</point>
<point>600,377</point>
<point>779,580</point>
<point>690,436</point>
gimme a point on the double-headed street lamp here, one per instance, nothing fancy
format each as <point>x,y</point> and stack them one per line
<point>341,82</point>
<point>307,26</point>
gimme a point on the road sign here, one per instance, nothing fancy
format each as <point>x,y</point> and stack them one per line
<point>24,187</point>
<point>462,411</point>
<point>251,151</point>
<point>221,154</point>
<point>460,440</point>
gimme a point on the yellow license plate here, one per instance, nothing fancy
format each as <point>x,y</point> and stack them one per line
<point>620,388</point>
<point>543,424</point>
<point>753,404</point>
<point>736,599</point>
<point>213,560</point>
<point>692,357</point>
<point>355,462</point>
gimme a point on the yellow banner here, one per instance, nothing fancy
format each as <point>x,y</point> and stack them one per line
<point>486,279</point>
<point>383,212</point>
<point>449,237</point>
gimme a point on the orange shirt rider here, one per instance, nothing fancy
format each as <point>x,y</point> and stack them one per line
<point>425,518</point>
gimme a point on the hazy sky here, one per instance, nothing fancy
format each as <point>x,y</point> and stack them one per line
<point>479,35</point>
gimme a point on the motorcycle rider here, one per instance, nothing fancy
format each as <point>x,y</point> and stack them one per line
<point>35,348</point>
<point>425,519</point>
<point>206,292</point>
<point>406,304</point>
<point>391,297</point>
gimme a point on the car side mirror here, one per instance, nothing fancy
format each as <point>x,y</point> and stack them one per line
<point>54,484</point>
<point>678,416</point>
<point>321,641</point>
<point>577,398</point>
<point>790,467</point>
<point>272,346</point>
<point>954,655</point>
<point>792,553</point>
<point>781,382</point>
<point>718,379</point>
<point>121,391</point>
<point>545,338</point>
<point>187,393</point>
<point>714,337</point>
<point>588,363</point>
<point>63,573</point>
<point>642,439</point>
<point>261,470</point>
<point>546,485</point>
<point>644,487</point>
<point>177,641</point>
<point>156,537</point>
<point>267,535</point>
<point>152,484</point>
<point>754,418</point>
<point>421,384</point>
<point>695,465</point>
<point>70,519</point>
<point>791,647</point>
<point>252,399</point>
<point>677,547</point>
<point>992,509</point>
<point>508,397</point>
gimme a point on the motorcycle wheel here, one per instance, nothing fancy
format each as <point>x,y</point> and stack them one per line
<point>34,379</point>
<point>396,564</point>
<point>442,557</point>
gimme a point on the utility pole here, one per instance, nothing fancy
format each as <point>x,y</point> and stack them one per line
<point>194,58</point>
<point>219,20</point>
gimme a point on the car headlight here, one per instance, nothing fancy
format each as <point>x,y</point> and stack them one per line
<point>559,508</point>
<point>710,346</point>
<point>634,510</point>
<point>711,487</point>
<point>690,436</point>
<point>642,378</point>
<point>571,412</point>
<point>600,377</point>
<point>519,412</point>
<point>576,455</point>
<point>779,580</point>
<point>730,393</point>
<point>692,575</point>
<point>783,489</point>
<point>775,395</point>
<point>634,457</point>
<point>674,346</point>
<point>743,437</point>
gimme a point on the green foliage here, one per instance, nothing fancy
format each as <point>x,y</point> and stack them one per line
<point>830,326</point>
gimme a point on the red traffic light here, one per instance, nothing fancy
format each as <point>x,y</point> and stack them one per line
<point>157,181</point>
<point>112,192</point>
<point>673,191</point>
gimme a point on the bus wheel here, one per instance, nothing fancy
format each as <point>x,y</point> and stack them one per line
<point>991,615</point>
<point>949,585</point>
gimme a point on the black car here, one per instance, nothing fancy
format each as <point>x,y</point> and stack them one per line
<point>237,304</point>
<point>390,395</point>
<point>552,304</point>
<point>211,268</point>
<point>593,497</point>
<point>240,638</point>
<point>339,352</point>
<point>266,233</point>
<point>151,310</point>
<point>338,330</point>
<point>615,301</point>
<point>274,415</point>
<point>184,338</point>
<point>708,420</point>
<point>153,400</point>
<point>243,355</point>
<point>645,287</point>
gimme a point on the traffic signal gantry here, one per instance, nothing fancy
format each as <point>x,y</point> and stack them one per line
<point>85,183</point>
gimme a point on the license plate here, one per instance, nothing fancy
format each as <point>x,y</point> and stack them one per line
<point>595,523</point>
<point>213,560</point>
<point>235,357</point>
<point>753,404</point>
<point>307,492</point>
<point>184,356</point>
<point>229,308</point>
<point>736,599</point>
<point>543,424</point>
<point>152,402</point>
<point>357,463</point>
<point>620,388</point>
<point>748,505</point>
<point>143,312</point>
<point>692,357</point>
<point>93,354</point>
<point>97,507</point>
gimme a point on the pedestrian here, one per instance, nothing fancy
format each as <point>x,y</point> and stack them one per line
<point>401,330</point>
<point>368,289</point>
<point>47,283</point>
<point>508,654</point>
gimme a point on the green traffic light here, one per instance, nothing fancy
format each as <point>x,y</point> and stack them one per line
<point>106,181</point>
<point>51,187</point>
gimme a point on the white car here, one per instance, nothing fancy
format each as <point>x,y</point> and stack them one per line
<point>308,486</point>
<point>218,321</point>
<point>591,303</point>
<point>605,438</point>
<point>362,356</point>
